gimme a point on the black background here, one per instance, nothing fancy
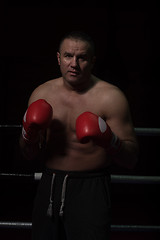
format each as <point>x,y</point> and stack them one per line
<point>126,37</point>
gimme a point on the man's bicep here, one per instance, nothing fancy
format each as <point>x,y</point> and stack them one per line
<point>38,93</point>
<point>120,119</point>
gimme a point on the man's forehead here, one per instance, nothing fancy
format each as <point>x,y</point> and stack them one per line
<point>74,44</point>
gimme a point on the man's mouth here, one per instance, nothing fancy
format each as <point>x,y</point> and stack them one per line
<point>73,73</point>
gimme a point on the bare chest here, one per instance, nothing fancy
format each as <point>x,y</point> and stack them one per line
<point>67,107</point>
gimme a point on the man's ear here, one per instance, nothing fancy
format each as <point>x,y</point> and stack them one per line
<point>58,58</point>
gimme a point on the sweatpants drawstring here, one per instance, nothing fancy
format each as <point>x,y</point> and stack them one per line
<point>63,196</point>
<point>49,211</point>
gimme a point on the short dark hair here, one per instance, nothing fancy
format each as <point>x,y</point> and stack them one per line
<point>80,36</point>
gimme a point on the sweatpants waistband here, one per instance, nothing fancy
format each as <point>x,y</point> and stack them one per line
<point>78,174</point>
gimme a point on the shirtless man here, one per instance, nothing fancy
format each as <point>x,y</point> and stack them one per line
<point>86,126</point>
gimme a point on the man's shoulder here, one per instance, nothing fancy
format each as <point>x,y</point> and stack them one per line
<point>107,86</point>
<point>48,85</point>
<point>44,90</point>
<point>53,82</point>
<point>109,92</point>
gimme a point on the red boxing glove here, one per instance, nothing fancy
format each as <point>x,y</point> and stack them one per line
<point>91,126</point>
<point>37,117</point>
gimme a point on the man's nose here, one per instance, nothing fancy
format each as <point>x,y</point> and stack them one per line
<point>74,62</point>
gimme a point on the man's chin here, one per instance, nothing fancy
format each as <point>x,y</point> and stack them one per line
<point>75,79</point>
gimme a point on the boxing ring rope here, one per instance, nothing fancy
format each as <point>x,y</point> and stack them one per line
<point>147,131</point>
<point>139,131</point>
<point>114,228</point>
<point>114,179</point>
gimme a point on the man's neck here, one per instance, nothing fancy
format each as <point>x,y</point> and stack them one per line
<point>80,88</point>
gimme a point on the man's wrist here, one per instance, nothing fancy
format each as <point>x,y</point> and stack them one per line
<point>115,145</point>
<point>28,138</point>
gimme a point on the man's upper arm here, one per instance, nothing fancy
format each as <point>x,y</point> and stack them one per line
<point>38,93</point>
<point>119,117</point>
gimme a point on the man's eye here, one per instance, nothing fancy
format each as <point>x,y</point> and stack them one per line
<point>68,55</point>
<point>83,58</point>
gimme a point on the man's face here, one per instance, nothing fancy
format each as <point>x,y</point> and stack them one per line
<point>76,61</point>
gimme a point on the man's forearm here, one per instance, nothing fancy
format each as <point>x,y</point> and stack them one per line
<point>30,151</point>
<point>128,155</point>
